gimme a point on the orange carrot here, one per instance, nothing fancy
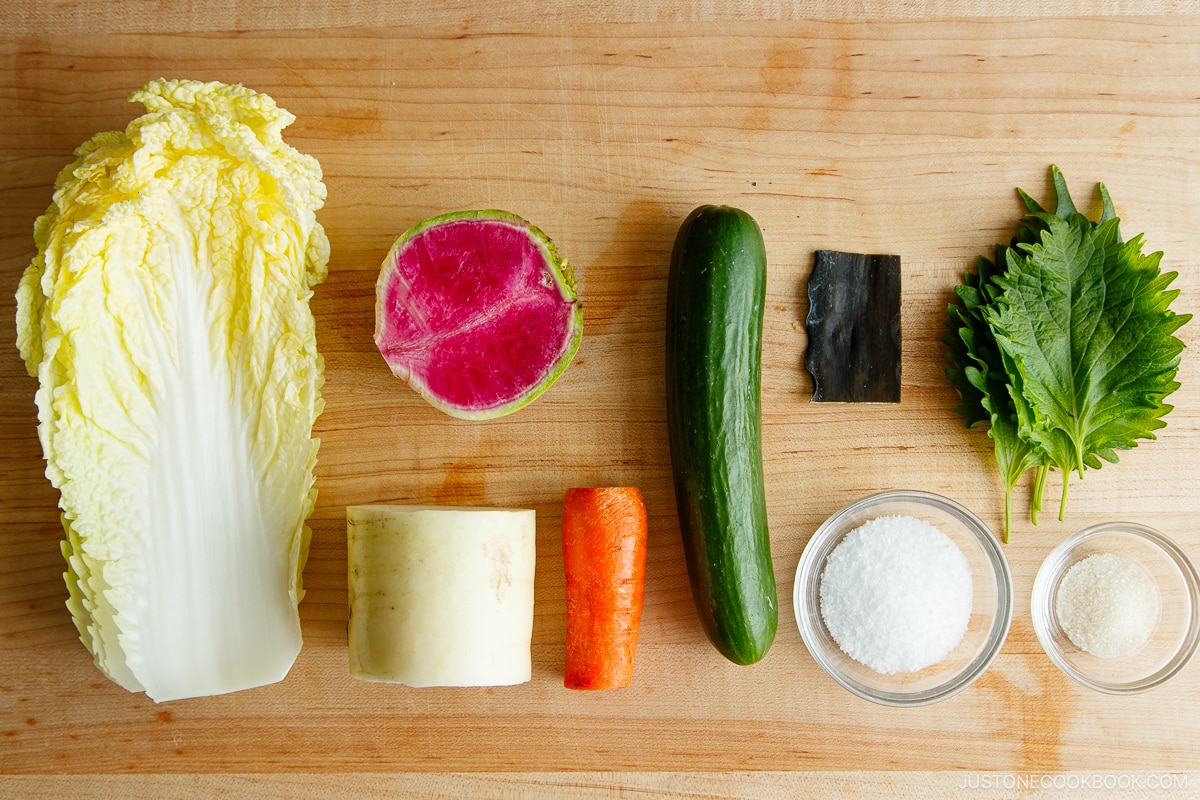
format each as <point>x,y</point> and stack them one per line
<point>604,551</point>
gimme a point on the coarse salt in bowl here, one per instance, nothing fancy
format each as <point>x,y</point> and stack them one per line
<point>1172,631</point>
<point>986,627</point>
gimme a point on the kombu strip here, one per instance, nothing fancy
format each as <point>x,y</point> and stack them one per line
<point>854,328</point>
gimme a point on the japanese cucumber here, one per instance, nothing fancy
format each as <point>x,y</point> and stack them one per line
<point>715,294</point>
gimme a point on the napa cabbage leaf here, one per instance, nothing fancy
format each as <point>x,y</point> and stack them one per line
<point>166,317</point>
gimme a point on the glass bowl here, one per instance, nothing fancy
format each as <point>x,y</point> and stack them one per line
<point>991,608</point>
<point>1175,634</point>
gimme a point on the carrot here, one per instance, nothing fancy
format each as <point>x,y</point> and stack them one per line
<point>604,552</point>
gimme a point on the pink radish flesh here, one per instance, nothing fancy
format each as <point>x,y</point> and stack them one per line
<point>473,316</point>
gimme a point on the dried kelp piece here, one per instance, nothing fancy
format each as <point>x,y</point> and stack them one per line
<point>854,328</point>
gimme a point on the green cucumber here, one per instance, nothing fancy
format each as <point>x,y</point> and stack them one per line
<point>715,295</point>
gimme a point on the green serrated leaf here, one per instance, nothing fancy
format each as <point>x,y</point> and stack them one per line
<point>982,382</point>
<point>1084,319</point>
<point>1063,344</point>
<point>1066,206</point>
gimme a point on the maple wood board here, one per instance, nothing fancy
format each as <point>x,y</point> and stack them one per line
<point>906,135</point>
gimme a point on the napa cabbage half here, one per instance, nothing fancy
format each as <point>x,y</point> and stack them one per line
<point>166,318</point>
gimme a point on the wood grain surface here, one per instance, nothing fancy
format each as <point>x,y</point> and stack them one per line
<point>903,134</point>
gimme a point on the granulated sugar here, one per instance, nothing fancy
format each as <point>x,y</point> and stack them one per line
<point>1107,605</point>
<point>896,594</point>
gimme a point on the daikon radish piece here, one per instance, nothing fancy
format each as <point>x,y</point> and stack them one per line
<point>440,596</point>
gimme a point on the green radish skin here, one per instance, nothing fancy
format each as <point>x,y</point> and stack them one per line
<point>715,295</point>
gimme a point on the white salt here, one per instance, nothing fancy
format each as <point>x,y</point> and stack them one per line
<point>1107,605</point>
<point>896,594</point>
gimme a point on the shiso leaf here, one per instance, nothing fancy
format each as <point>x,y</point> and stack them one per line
<point>1084,318</point>
<point>1068,353</point>
<point>981,377</point>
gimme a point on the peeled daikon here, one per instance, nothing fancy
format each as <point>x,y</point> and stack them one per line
<point>440,596</point>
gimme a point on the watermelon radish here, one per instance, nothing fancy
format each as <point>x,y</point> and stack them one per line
<point>477,312</point>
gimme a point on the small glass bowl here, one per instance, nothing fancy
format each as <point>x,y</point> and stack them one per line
<point>1178,628</point>
<point>991,609</point>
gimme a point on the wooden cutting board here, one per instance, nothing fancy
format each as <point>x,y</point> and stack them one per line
<point>904,135</point>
